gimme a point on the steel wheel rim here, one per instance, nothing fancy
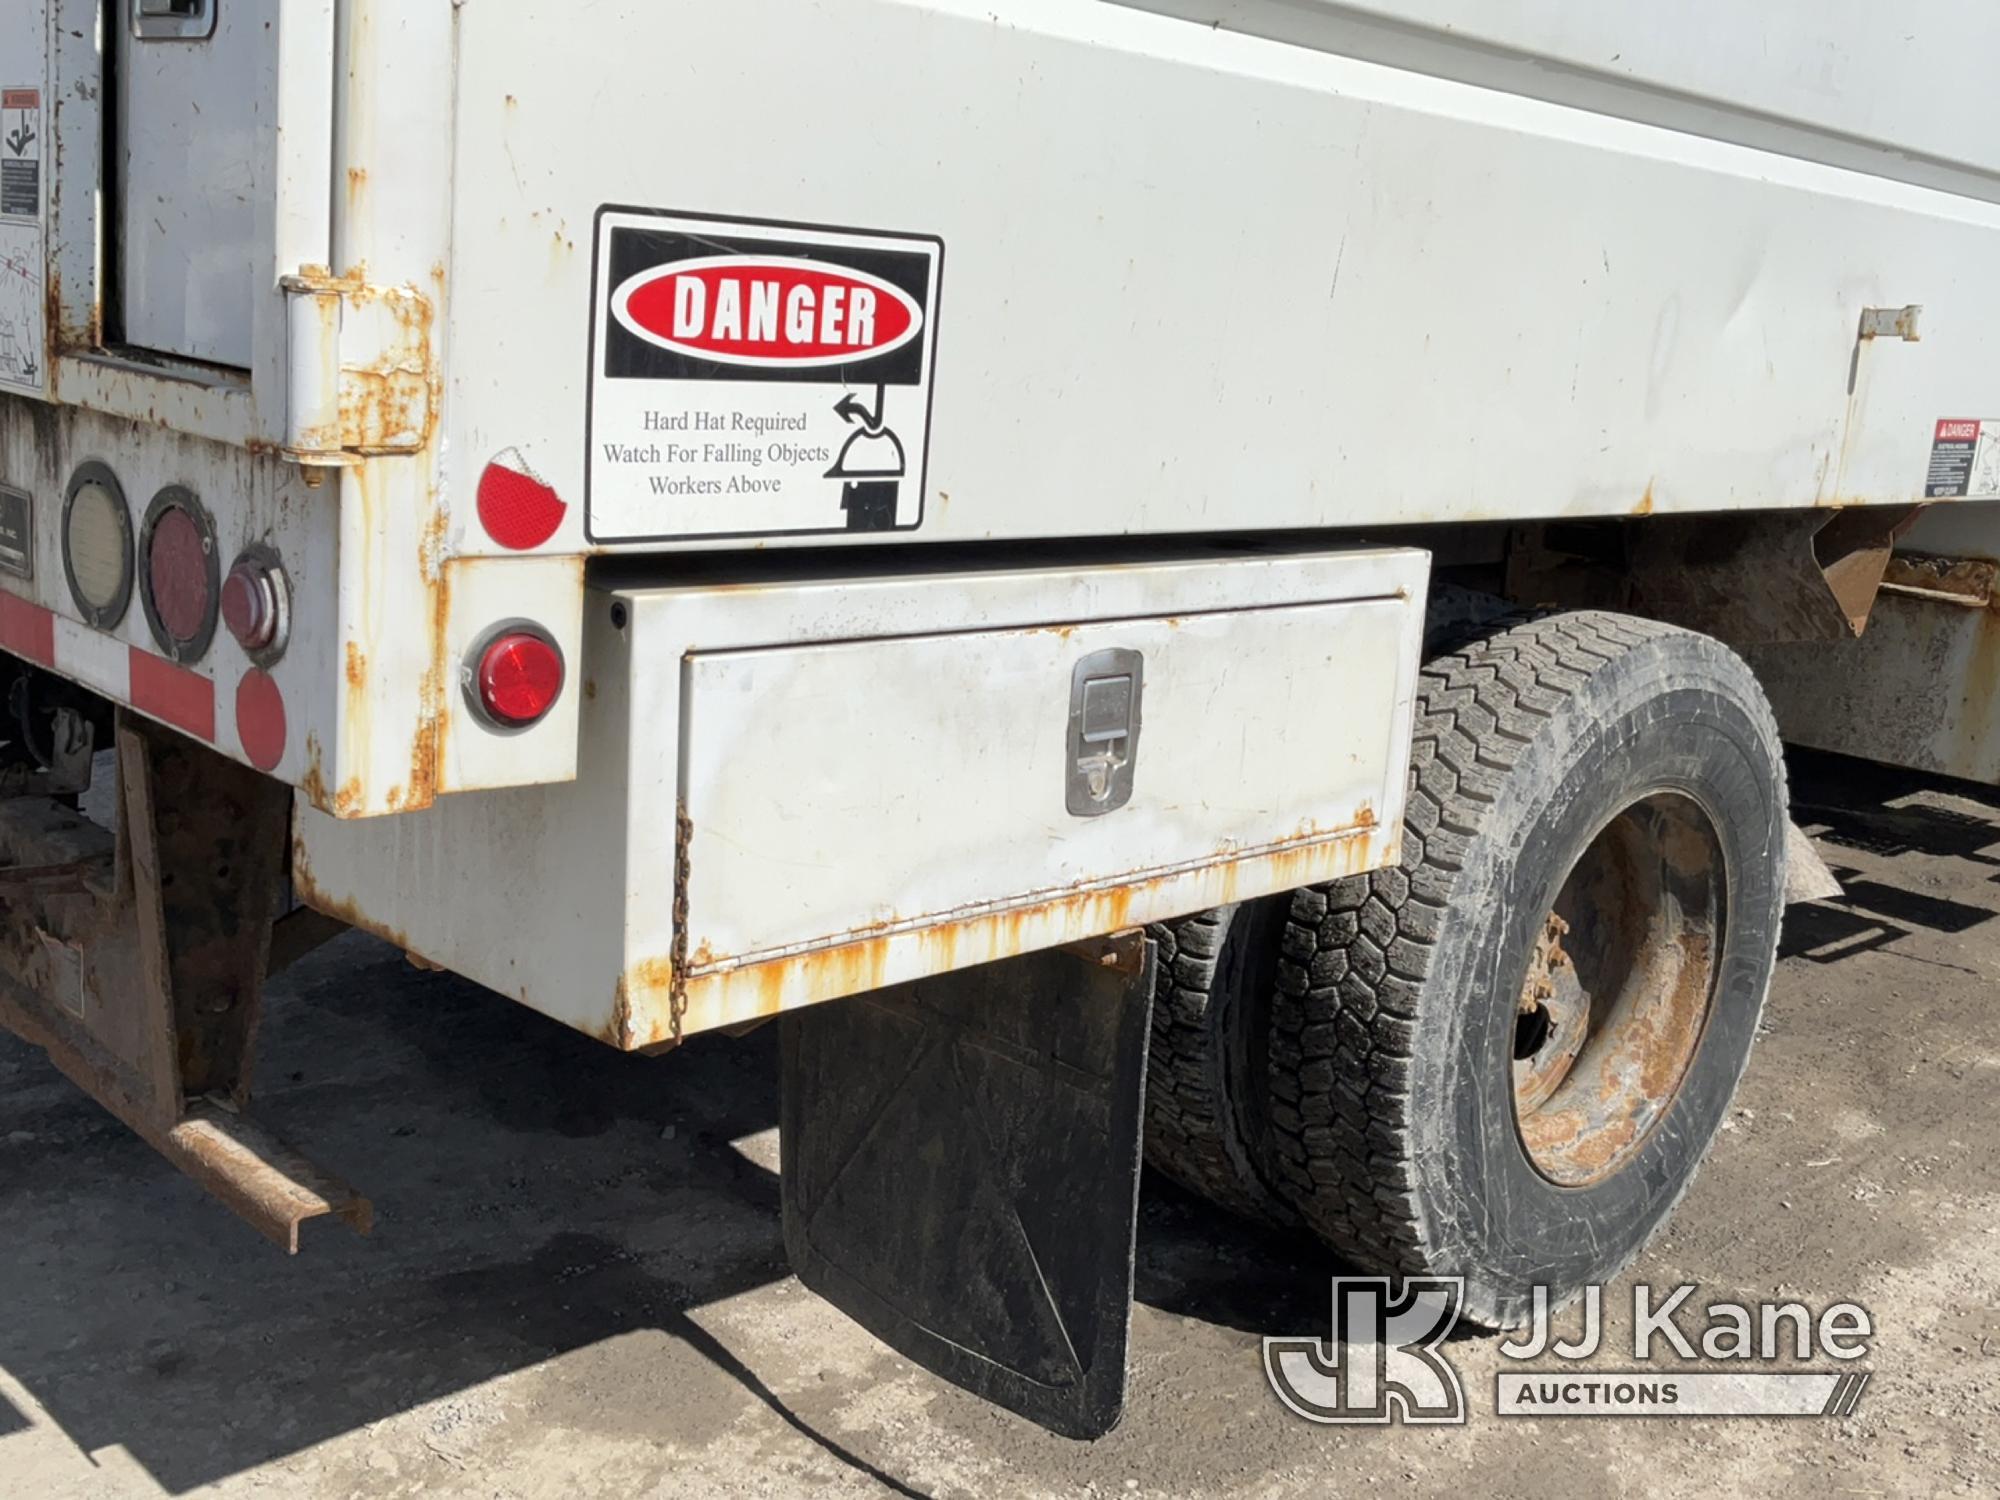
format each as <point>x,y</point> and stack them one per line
<point>1620,984</point>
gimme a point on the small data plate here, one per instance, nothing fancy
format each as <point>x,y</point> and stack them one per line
<point>17,532</point>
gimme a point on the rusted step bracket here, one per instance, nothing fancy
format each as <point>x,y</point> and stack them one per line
<point>271,1186</point>
<point>136,960</point>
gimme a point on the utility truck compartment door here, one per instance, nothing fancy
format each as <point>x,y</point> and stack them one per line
<point>851,789</point>
<point>880,778</point>
<point>197,100</point>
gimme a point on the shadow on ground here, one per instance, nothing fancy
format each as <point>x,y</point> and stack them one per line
<point>1884,811</point>
<point>536,1193</point>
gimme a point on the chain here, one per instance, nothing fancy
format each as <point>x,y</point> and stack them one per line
<point>677,981</point>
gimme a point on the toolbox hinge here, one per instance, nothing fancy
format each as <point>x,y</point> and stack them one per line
<point>361,372</point>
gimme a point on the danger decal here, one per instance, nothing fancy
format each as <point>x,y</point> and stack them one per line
<point>755,379</point>
<point>21,153</point>
<point>23,297</point>
<point>1965,460</point>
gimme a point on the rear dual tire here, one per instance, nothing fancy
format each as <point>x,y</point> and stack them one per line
<point>1503,1059</point>
<point>1208,1118</point>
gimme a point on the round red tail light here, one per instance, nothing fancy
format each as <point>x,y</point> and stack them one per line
<point>518,677</point>
<point>178,568</point>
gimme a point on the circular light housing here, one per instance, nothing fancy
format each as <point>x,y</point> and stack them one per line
<point>179,577</point>
<point>256,604</point>
<point>517,676</point>
<point>97,546</point>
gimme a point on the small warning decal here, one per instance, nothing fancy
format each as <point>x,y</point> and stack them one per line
<point>1965,460</point>
<point>755,379</point>
<point>21,153</point>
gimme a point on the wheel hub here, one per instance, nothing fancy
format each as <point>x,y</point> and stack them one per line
<point>1618,989</point>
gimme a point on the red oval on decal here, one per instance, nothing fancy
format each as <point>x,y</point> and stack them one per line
<point>767,310</point>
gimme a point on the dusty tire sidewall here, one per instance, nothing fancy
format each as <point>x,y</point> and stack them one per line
<point>1679,714</point>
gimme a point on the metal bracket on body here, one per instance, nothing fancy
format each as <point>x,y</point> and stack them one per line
<point>140,970</point>
<point>361,372</point>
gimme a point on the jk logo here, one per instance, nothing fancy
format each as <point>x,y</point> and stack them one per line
<point>1382,1364</point>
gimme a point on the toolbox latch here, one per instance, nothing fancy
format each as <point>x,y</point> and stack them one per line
<point>1104,698</point>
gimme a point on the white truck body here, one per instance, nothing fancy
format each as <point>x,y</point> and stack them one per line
<point>371,281</point>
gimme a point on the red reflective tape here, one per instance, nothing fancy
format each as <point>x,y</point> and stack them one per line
<point>182,698</point>
<point>27,630</point>
<point>260,720</point>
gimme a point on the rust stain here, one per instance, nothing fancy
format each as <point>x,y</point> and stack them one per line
<point>1645,505</point>
<point>1626,1002</point>
<point>389,405</point>
<point>308,891</point>
<point>430,715</point>
<point>651,976</point>
<point>427,740</point>
<point>1967,580</point>
<point>53,325</point>
<point>351,796</point>
<point>313,783</point>
<point>357,184</point>
<point>731,995</point>
<point>618,1032</point>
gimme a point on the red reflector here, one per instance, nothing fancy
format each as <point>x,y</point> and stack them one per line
<point>517,509</point>
<point>520,676</point>
<point>177,567</point>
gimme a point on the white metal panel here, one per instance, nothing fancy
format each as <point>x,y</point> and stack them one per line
<point>486,594</point>
<point>846,790</point>
<point>564,896</point>
<point>1901,89</point>
<point>1204,281</point>
<point>196,130</point>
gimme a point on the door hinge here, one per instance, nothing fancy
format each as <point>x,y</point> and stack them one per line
<point>361,373</point>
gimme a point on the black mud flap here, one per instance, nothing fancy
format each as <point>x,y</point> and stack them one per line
<point>961,1172</point>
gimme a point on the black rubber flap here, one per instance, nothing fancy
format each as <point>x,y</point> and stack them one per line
<point>961,1172</point>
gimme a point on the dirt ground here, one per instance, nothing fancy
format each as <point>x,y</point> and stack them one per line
<point>577,1285</point>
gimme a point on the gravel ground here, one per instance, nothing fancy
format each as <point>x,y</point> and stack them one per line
<point>577,1285</point>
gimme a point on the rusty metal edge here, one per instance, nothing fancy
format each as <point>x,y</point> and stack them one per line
<point>266,1182</point>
